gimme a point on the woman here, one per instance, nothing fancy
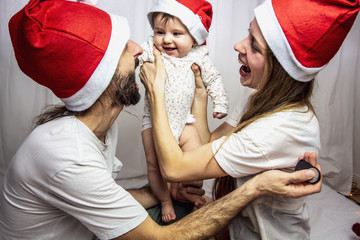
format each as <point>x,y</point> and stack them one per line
<point>278,122</point>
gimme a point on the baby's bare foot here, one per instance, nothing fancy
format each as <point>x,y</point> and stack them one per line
<point>167,211</point>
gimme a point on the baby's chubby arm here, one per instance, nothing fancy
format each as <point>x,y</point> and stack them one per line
<point>214,85</point>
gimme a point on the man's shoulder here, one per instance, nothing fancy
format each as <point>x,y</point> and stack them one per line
<point>57,143</point>
<point>54,131</point>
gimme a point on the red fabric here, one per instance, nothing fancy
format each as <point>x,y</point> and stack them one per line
<point>201,8</point>
<point>315,30</point>
<point>36,27</point>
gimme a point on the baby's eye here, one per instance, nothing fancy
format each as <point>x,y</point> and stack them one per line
<point>177,34</point>
<point>159,32</point>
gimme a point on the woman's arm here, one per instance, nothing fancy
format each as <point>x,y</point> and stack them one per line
<point>175,165</point>
<point>221,131</point>
<point>199,106</point>
<point>199,110</point>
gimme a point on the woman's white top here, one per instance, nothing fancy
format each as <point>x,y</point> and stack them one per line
<point>272,142</point>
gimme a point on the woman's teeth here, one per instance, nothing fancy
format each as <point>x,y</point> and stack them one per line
<point>244,67</point>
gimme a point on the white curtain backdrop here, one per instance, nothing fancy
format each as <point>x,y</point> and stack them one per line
<point>336,96</point>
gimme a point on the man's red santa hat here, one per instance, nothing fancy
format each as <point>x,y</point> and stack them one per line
<point>195,15</point>
<point>305,35</point>
<point>71,48</point>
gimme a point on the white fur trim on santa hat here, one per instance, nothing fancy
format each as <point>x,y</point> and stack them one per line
<point>101,77</point>
<point>89,2</point>
<point>186,16</point>
<point>276,39</point>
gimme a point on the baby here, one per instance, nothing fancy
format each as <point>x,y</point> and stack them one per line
<point>180,29</point>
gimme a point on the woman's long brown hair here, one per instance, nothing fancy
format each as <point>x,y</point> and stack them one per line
<point>278,93</point>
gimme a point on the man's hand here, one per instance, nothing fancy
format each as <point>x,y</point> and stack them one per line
<point>188,192</point>
<point>292,185</point>
<point>153,75</point>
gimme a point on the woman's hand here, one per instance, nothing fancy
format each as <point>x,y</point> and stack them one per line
<point>153,75</point>
<point>199,106</point>
<point>200,90</point>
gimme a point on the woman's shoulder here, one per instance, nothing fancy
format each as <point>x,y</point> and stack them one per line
<point>294,123</point>
<point>298,115</point>
<point>281,136</point>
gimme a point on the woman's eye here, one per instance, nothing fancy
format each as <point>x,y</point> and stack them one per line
<point>253,47</point>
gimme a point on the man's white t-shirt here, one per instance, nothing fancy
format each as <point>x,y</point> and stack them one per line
<point>60,185</point>
<point>272,142</point>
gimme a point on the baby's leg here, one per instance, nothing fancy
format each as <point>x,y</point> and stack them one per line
<point>157,183</point>
<point>189,140</point>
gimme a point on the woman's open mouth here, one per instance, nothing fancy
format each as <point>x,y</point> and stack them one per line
<point>244,69</point>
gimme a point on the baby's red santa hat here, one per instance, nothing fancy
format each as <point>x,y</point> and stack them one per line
<point>305,35</point>
<point>195,15</point>
<point>72,48</point>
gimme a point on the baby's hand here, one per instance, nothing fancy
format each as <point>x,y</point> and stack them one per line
<point>219,115</point>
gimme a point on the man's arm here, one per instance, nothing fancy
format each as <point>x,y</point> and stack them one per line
<point>184,192</point>
<point>200,224</point>
<point>210,219</point>
<point>144,196</point>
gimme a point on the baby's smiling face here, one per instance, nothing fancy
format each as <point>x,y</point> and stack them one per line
<point>171,36</point>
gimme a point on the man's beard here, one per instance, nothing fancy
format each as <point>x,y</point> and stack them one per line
<point>127,92</point>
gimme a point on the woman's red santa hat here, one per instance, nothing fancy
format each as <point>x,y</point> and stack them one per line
<point>195,15</point>
<point>71,48</point>
<point>305,35</point>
